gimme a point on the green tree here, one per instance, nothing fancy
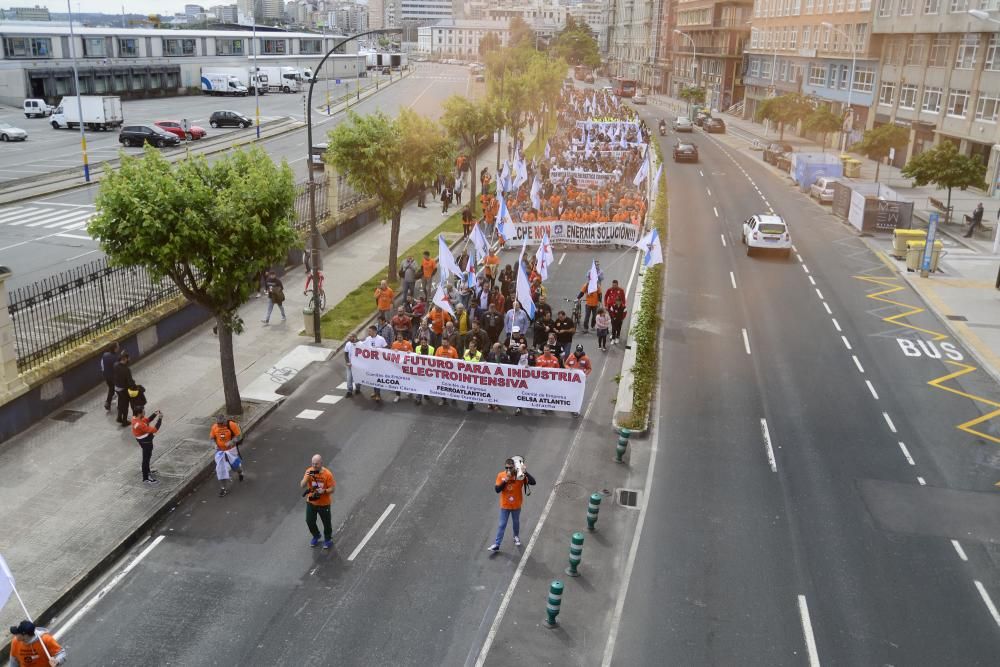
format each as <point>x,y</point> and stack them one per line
<point>521,34</point>
<point>876,143</point>
<point>389,159</point>
<point>210,228</point>
<point>546,75</point>
<point>945,167</point>
<point>784,109</point>
<point>822,121</point>
<point>470,124</point>
<point>693,94</point>
<point>577,45</point>
<point>489,43</point>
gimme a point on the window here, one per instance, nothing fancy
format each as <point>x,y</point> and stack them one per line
<point>931,6</point>
<point>28,47</point>
<point>915,51</point>
<point>817,75</point>
<point>754,67</point>
<point>816,34</point>
<point>861,36</point>
<point>932,100</point>
<point>128,48</point>
<point>987,107</point>
<point>806,34</point>
<point>907,96</point>
<point>826,38</point>
<point>94,47</point>
<point>892,52</point>
<point>993,53</point>
<point>840,6</point>
<point>271,47</point>
<point>765,69</point>
<point>965,58</point>
<point>809,6</point>
<point>864,80</point>
<point>864,5</point>
<point>229,47</point>
<point>784,70</point>
<point>753,38</point>
<point>958,7</point>
<point>884,8</point>
<point>906,7</point>
<point>886,93</point>
<point>178,47</point>
<point>851,5</point>
<point>958,103</point>
<point>845,72</point>
<point>939,52</point>
<point>311,46</point>
<point>793,38</point>
<point>829,6</point>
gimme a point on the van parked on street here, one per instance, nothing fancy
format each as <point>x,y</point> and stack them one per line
<point>35,108</point>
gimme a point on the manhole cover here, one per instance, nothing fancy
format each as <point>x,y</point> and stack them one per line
<point>68,415</point>
<point>958,318</point>
<point>571,490</point>
<point>628,498</point>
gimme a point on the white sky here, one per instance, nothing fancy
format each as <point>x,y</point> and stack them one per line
<point>164,7</point>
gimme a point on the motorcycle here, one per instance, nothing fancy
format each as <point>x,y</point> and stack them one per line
<point>663,129</point>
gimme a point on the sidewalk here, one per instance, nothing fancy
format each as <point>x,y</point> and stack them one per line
<point>71,486</point>
<point>962,293</point>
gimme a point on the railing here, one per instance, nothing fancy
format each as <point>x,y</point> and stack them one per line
<point>347,197</point>
<point>52,315</point>
<point>301,220</point>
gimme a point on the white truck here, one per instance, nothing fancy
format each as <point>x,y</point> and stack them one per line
<point>98,113</point>
<point>219,83</point>
<point>245,76</point>
<point>285,79</point>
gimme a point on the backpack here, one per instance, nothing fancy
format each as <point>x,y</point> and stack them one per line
<point>278,295</point>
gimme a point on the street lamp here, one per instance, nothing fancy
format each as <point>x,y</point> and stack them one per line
<point>313,228</point>
<point>850,79</point>
<point>256,75</point>
<point>983,16</point>
<point>79,100</point>
<point>694,65</point>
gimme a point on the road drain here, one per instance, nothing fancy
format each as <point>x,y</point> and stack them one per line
<point>628,498</point>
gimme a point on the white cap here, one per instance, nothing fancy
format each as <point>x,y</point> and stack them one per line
<point>515,330</point>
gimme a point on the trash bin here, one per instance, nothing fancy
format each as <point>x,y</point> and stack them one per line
<point>852,168</point>
<point>915,254</point>
<point>307,320</point>
<point>901,236</point>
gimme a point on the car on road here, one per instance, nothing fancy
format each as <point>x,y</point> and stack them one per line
<point>775,150</point>
<point>35,108</point>
<point>683,124</point>
<point>638,98</point>
<point>766,231</point>
<point>714,125</point>
<point>175,127</point>
<point>229,118</point>
<point>137,135</point>
<point>822,189</point>
<point>685,151</point>
<point>10,133</point>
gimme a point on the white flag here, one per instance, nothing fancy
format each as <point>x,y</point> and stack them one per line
<point>505,177</point>
<point>593,277</point>
<point>652,251</point>
<point>441,300</point>
<point>548,150</point>
<point>643,172</point>
<point>6,582</point>
<point>480,242</point>
<point>470,272</point>
<point>524,289</point>
<point>521,171</point>
<point>544,256</point>
<point>505,224</point>
<point>536,194</point>
<point>446,261</point>
<point>659,170</point>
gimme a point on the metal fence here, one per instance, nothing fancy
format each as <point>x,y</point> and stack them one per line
<point>54,314</point>
<point>302,203</point>
<point>347,196</point>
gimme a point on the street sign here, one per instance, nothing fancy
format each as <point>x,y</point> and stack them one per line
<point>925,264</point>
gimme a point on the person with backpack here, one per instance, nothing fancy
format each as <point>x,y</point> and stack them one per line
<point>108,359</point>
<point>226,437</point>
<point>275,296</point>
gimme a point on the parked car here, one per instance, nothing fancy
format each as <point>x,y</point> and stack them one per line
<point>714,125</point>
<point>10,133</point>
<point>700,118</point>
<point>766,232</point>
<point>638,98</point>
<point>822,189</point>
<point>683,124</point>
<point>229,118</point>
<point>775,150</point>
<point>177,128</point>
<point>35,108</point>
<point>137,135</point>
<point>685,151</point>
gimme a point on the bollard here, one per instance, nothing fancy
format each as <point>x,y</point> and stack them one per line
<point>575,554</point>
<point>555,599</point>
<point>623,436</point>
<point>592,509</point>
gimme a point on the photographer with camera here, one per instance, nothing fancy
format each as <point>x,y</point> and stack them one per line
<point>510,484</point>
<point>143,429</point>
<point>319,484</point>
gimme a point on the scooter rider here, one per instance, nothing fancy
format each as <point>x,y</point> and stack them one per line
<point>663,127</point>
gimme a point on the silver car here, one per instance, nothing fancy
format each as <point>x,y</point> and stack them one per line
<point>683,124</point>
<point>822,189</point>
<point>10,133</point>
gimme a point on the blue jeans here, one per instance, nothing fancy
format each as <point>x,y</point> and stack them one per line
<point>270,307</point>
<point>504,514</point>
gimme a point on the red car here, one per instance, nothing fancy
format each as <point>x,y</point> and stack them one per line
<point>177,128</point>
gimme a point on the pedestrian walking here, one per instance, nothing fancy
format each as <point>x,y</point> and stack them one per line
<point>603,325</point>
<point>472,355</point>
<point>352,340</point>
<point>144,429</point>
<point>122,376</point>
<point>467,222</point>
<point>226,437</point>
<point>515,317</point>
<point>319,485</point>
<point>613,293</point>
<point>33,646</point>
<point>408,276</point>
<point>275,296</point>
<point>428,266</point>
<point>383,299</point>
<point>617,311</point>
<point>445,199</point>
<point>422,196</point>
<point>459,185</point>
<point>426,349</point>
<point>976,220</point>
<point>510,484</point>
<point>580,361</point>
<point>374,340</point>
<point>591,302</point>
<point>108,359</point>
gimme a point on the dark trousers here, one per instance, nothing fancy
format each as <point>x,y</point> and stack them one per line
<point>123,405</point>
<point>323,512</point>
<point>111,393</point>
<point>589,317</point>
<point>616,328</point>
<point>147,454</point>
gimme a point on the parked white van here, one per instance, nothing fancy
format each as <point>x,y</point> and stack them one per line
<point>36,109</point>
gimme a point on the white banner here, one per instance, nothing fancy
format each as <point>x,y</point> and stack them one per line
<point>576,233</point>
<point>585,178</point>
<point>479,382</point>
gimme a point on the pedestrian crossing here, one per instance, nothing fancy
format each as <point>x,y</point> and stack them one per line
<point>49,217</point>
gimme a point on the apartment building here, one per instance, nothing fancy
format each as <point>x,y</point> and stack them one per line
<point>707,45</point>
<point>459,37</point>
<point>634,41</point>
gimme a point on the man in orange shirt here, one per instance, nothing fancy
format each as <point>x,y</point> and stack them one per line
<point>548,359</point>
<point>143,431</point>
<point>438,317</point>
<point>319,484</point>
<point>428,266</point>
<point>226,436</point>
<point>402,345</point>
<point>510,485</point>
<point>592,302</point>
<point>383,299</point>
<point>448,351</point>
<point>33,646</point>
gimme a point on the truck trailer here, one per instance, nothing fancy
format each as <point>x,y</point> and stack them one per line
<point>98,113</point>
<point>285,79</point>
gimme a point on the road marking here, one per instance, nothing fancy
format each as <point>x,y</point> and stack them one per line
<point>960,550</point>
<point>987,601</point>
<point>836,325</point>
<point>371,533</point>
<point>805,268</point>
<point>82,254</point>
<point>820,295</point>
<point>828,311</point>
<point>795,249</point>
<point>871,388</point>
<point>921,481</point>
<point>857,363</point>
<point>709,192</point>
<point>746,341</point>
<point>767,444</point>
<point>888,420</point>
<point>64,628</point>
<point>732,279</point>
<point>799,256</point>
<point>75,236</point>
<point>847,343</point>
<point>967,426</point>
<point>635,265</point>
<point>723,237</point>
<point>906,454</point>
<point>807,632</point>
<point>309,414</point>
<point>561,258</point>
<point>716,211</point>
<point>702,173</point>
<point>812,281</point>
<point>330,399</point>
<point>892,287</point>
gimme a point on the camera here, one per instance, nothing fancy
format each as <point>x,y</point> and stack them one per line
<point>315,495</point>
<point>518,466</point>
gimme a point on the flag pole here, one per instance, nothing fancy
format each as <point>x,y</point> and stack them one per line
<point>28,616</point>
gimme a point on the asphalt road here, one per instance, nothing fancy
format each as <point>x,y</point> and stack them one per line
<point>844,531</point>
<point>234,582</point>
<point>43,237</point>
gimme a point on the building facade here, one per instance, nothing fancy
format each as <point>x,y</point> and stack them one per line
<point>459,38</point>
<point>634,40</point>
<point>35,13</point>
<point>707,46</point>
<point>349,18</point>
<point>225,13</point>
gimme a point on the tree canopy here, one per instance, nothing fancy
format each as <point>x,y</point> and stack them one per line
<point>577,45</point>
<point>945,167</point>
<point>489,43</point>
<point>876,143</point>
<point>784,109</point>
<point>521,34</point>
<point>823,121</point>
<point>471,124</point>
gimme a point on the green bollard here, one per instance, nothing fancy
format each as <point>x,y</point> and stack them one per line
<point>592,509</point>
<point>575,554</point>
<point>623,436</point>
<point>555,599</point>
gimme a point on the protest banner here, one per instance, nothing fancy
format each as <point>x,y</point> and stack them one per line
<point>575,233</point>
<point>585,178</point>
<point>479,382</point>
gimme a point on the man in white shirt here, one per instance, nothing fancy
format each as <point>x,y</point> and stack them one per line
<point>352,341</point>
<point>376,341</point>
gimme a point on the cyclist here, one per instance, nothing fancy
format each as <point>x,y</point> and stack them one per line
<point>309,277</point>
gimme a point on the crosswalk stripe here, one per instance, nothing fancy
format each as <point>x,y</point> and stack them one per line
<point>51,216</point>
<point>16,213</point>
<point>72,219</point>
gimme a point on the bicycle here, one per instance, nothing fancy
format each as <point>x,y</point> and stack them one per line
<point>311,299</point>
<point>577,311</point>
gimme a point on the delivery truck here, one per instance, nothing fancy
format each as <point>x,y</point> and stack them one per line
<point>96,112</point>
<point>285,79</point>
<point>245,75</point>
<point>220,83</point>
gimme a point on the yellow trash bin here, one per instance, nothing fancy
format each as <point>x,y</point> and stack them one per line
<point>900,238</point>
<point>915,254</point>
<point>852,168</point>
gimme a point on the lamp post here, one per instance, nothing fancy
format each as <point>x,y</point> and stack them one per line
<point>256,76</point>
<point>850,78</point>
<point>694,66</point>
<point>313,228</point>
<point>79,102</point>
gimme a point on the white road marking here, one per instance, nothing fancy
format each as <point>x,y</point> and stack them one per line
<point>371,533</point>
<point>799,256</point>
<point>828,311</point>
<point>807,632</point>
<point>82,254</point>
<point>732,279</point>
<point>812,281</point>
<point>960,550</point>
<point>921,481</point>
<point>836,325</point>
<point>857,363</point>
<point>987,601</point>
<point>716,211</point>
<point>795,249</point>
<point>805,268</point>
<point>746,341</point>
<point>871,388</point>
<point>723,237</point>
<point>342,386</point>
<point>309,414</point>
<point>702,173</point>
<point>561,258</point>
<point>709,192</point>
<point>64,628</point>
<point>330,399</point>
<point>767,445</point>
<point>820,295</point>
<point>888,420</point>
<point>847,343</point>
<point>906,454</point>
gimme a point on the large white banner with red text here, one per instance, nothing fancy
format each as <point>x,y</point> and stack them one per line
<point>478,382</point>
<point>576,233</point>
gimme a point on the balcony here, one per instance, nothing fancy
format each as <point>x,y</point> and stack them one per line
<point>706,50</point>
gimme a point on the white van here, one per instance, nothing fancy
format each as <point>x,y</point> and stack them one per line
<point>36,109</point>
